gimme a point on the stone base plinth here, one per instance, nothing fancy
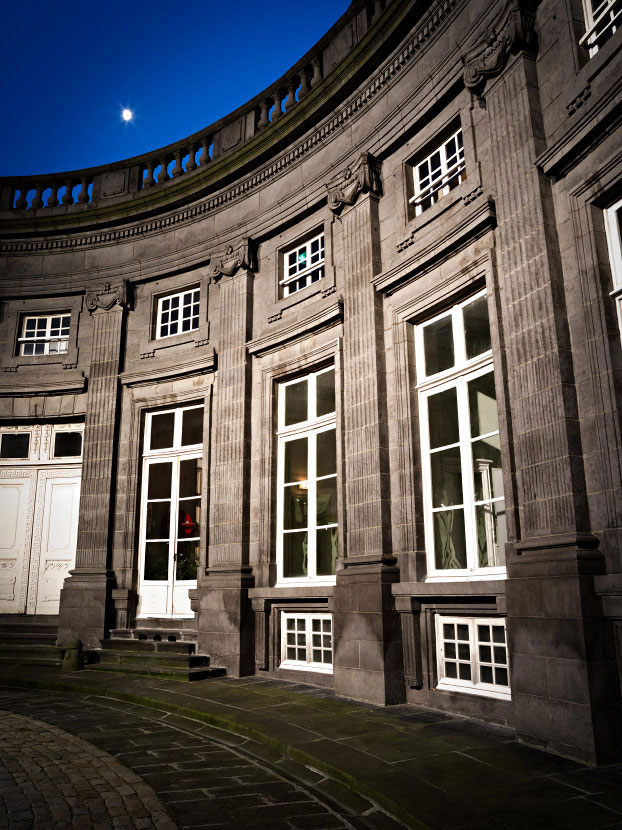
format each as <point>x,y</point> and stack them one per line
<point>84,607</point>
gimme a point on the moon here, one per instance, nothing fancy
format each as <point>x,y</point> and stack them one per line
<point>127,115</point>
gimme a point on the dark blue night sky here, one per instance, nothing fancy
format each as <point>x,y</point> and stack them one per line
<point>69,67</point>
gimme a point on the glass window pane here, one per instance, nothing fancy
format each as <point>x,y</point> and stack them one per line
<point>483,405</point>
<point>485,654</point>
<point>327,551</point>
<point>443,418</point>
<point>15,445</point>
<point>187,560</point>
<point>464,652</point>
<point>190,477</point>
<point>189,518</point>
<point>327,452</point>
<point>295,500</point>
<point>327,501</point>
<point>476,327</point>
<point>483,633</point>
<point>162,430</point>
<point>463,632</point>
<point>446,477</point>
<point>67,444</point>
<point>501,677</point>
<point>487,475</point>
<point>156,560</point>
<point>491,534</point>
<point>295,468</point>
<point>449,539</point>
<point>486,674</point>
<point>158,519</point>
<point>450,650</point>
<point>325,392</point>
<point>498,634</point>
<point>295,547</point>
<point>450,669</point>
<point>500,655</point>
<point>159,486</point>
<point>464,670</point>
<point>438,346</point>
<point>192,427</point>
<point>449,630</point>
<point>296,408</point>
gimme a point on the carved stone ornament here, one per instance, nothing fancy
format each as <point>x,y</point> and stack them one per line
<point>107,298</point>
<point>361,177</point>
<point>226,264</point>
<point>514,32</point>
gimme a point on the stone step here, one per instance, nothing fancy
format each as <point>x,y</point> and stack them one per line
<point>125,657</point>
<point>26,637</point>
<point>185,673</point>
<point>149,646</point>
<point>31,655</point>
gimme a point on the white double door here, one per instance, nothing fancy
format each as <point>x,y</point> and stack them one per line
<point>38,535</point>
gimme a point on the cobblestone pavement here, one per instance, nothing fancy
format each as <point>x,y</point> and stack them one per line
<point>110,775</point>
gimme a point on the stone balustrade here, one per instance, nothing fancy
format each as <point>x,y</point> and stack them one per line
<point>124,180</point>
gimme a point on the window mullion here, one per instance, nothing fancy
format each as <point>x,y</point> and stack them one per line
<point>468,494</point>
<point>312,505</point>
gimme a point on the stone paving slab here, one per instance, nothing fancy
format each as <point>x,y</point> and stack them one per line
<point>424,769</point>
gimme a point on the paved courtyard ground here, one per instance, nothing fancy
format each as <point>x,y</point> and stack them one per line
<point>101,750</point>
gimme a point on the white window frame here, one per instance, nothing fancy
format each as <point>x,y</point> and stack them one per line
<point>174,454</point>
<point>309,664</point>
<point>195,298</point>
<point>304,429</point>
<point>474,686</point>
<point>613,224</point>
<point>318,265</point>
<point>61,342</point>
<point>458,376</point>
<point>41,442</point>
<point>600,23</point>
<point>439,186</point>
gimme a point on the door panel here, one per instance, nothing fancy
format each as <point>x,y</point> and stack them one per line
<point>17,491</point>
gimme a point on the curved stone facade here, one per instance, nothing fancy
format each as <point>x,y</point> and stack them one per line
<point>348,368</point>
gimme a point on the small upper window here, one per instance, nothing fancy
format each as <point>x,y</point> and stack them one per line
<point>178,313</point>
<point>304,265</point>
<point>44,334</point>
<point>439,173</point>
<point>15,445</point>
<point>602,19</point>
<point>613,227</point>
<point>67,444</point>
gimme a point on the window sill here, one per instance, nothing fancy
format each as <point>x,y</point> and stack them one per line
<point>479,691</point>
<point>306,667</point>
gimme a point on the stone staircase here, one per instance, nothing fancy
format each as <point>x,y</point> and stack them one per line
<point>154,650</point>
<point>29,640</point>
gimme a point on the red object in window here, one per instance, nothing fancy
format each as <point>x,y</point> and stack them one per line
<point>187,526</point>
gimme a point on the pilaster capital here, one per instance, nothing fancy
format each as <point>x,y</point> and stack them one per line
<point>513,32</point>
<point>108,297</point>
<point>226,263</point>
<point>362,176</point>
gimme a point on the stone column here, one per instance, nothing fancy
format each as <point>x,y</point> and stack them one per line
<point>225,617</point>
<point>560,645</point>
<point>85,596</point>
<point>368,652</point>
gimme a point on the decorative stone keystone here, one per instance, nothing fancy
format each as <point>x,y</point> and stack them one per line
<point>361,177</point>
<point>107,298</point>
<point>227,263</point>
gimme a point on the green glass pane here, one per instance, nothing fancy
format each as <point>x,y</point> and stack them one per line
<point>189,519</point>
<point>327,453</point>
<point>190,477</point>
<point>295,506</point>
<point>325,392</point>
<point>156,560</point>
<point>446,477</point>
<point>327,551</point>
<point>483,405</point>
<point>443,418</point>
<point>187,560</point>
<point>296,406</point>
<point>487,475</point>
<point>438,346</point>
<point>476,327</point>
<point>491,534</point>
<point>327,501</point>
<point>295,468</point>
<point>162,430</point>
<point>158,519</point>
<point>192,427</point>
<point>295,547</point>
<point>159,486</point>
<point>449,540</point>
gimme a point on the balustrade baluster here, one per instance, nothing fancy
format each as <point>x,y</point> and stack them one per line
<point>178,169</point>
<point>277,112</point>
<point>317,73</point>
<point>37,202</point>
<point>83,195</point>
<point>263,118</point>
<point>163,175</point>
<point>204,157</point>
<point>191,163</point>
<point>68,195</point>
<point>305,89</point>
<point>149,181</point>
<point>22,202</point>
<point>291,94</point>
<point>53,197</point>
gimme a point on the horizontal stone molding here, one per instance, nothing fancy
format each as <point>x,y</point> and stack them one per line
<point>22,382</point>
<point>167,371</point>
<point>326,317</point>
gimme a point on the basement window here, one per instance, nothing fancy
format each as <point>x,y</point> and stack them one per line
<point>472,656</point>
<point>307,642</point>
